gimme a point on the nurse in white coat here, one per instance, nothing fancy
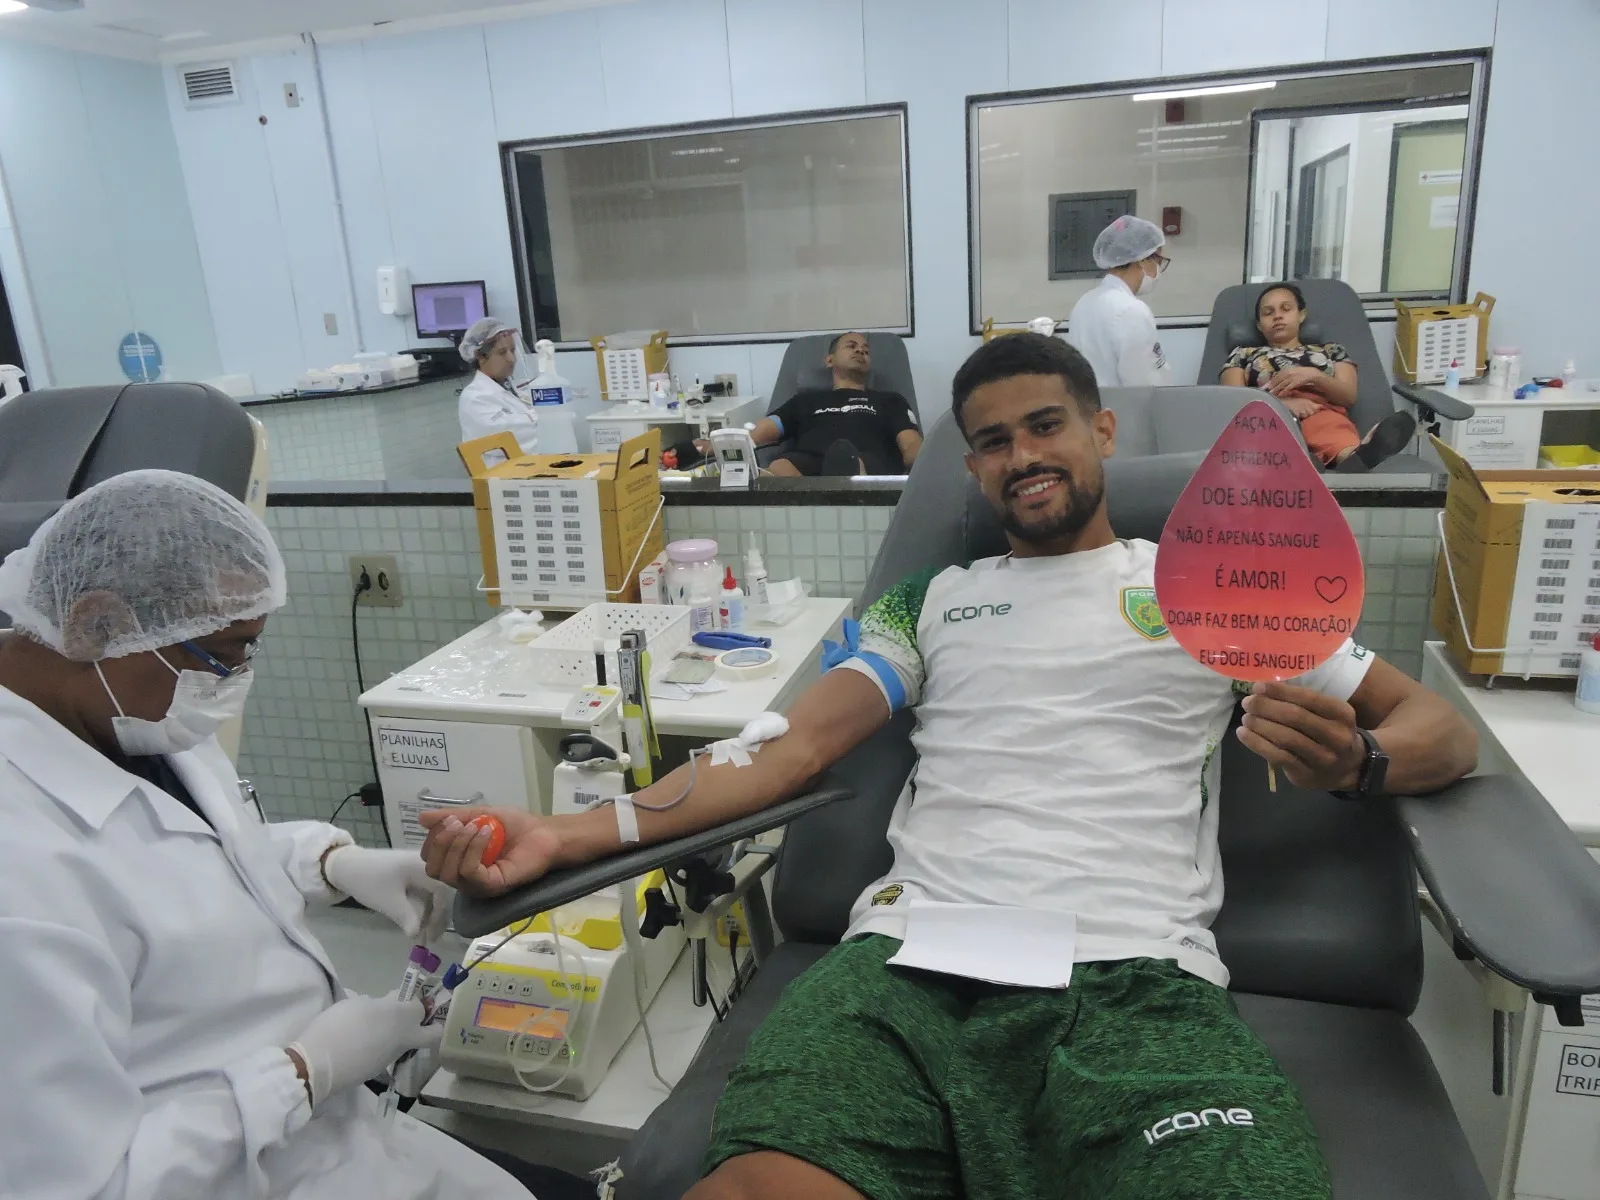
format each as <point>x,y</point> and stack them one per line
<point>489,405</point>
<point>172,1028</point>
<point>1110,325</point>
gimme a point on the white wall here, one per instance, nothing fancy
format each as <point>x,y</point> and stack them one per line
<point>103,240</point>
<point>417,118</point>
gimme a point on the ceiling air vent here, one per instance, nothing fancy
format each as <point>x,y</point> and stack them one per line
<point>206,84</point>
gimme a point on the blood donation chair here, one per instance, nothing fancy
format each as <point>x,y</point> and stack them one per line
<point>1320,927</point>
<point>802,369</point>
<point>1334,313</point>
<point>56,442</point>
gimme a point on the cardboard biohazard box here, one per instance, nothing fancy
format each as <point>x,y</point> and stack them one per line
<point>627,360</point>
<point>565,530</point>
<point>1517,586</point>
<point>1428,338</point>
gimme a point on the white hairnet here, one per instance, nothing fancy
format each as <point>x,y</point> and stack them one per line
<point>144,560</point>
<point>479,334</point>
<point>1127,240</point>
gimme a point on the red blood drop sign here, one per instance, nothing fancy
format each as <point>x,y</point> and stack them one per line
<point>1258,575</point>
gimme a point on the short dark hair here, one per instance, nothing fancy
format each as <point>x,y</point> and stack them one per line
<point>838,337</point>
<point>1292,288</point>
<point>1016,354</point>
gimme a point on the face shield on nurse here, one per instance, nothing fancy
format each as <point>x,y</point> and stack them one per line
<point>142,608</point>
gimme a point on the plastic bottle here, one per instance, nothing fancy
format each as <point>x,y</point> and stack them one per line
<point>1569,373</point>
<point>1505,368</point>
<point>694,578</point>
<point>755,573</point>
<point>1452,378</point>
<point>549,392</point>
<point>730,610</point>
<point>1587,697</point>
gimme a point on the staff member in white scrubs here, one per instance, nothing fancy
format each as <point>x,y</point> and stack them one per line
<point>172,1030</point>
<point>489,405</point>
<point>1110,325</point>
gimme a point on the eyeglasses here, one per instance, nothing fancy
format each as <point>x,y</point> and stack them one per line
<point>219,667</point>
<point>1162,262</point>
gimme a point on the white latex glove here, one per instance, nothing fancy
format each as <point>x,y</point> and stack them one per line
<point>357,1038</point>
<point>394,883</point>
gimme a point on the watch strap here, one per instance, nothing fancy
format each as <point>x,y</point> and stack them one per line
<point>1363,789</point>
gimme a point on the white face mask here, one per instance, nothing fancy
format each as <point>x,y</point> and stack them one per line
<point>1147,283</point>
<point>202,703</point>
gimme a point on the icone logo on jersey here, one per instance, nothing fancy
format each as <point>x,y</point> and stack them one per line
<point>1185,1121</point>
<point>971,612</point>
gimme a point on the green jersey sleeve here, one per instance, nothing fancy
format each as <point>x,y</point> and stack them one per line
<point>887,652</point>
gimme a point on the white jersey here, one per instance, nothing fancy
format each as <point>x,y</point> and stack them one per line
<point>1068,752</point>
<point>1116,332</point>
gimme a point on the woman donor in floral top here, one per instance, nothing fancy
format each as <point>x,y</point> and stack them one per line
<point>1315,383</point>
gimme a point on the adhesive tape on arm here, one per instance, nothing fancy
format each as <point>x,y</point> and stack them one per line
<point>747,662</point>
<point>627,820</point>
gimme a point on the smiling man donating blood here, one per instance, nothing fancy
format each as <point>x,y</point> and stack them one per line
<point>1068,767</point>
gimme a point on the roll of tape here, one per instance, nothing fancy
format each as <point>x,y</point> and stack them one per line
<point>747,662</point>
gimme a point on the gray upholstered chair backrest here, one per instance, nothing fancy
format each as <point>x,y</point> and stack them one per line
<point>1320,895</point>
<point>56,442</point>
<point>802,368</point>
<point>1333,314</point>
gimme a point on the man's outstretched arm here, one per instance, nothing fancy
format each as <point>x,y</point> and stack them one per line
<point>829,720</point>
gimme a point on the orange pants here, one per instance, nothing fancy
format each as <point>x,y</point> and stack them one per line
<point>1328,433</point>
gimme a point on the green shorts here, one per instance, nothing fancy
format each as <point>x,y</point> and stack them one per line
<point>1137,1081</point>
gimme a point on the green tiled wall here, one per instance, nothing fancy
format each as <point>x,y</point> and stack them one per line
<point>305,741</point>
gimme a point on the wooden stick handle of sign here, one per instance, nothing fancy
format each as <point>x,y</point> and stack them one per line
<point>1272,778</point>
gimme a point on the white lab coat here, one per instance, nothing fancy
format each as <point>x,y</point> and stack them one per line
<point>1116,332</point>
<point>154,968</point>
<point>488,407</point>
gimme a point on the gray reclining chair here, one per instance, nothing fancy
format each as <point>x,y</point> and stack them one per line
<point>1320,927</point>
<point>1334,313</point>
<point>56,442</point>
<point>802,370</point>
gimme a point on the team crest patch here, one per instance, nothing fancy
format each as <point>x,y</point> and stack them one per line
<point>1139,609</point>
<point>887,895</point>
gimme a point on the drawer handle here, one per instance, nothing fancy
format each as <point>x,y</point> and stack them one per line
<point>428,797</point>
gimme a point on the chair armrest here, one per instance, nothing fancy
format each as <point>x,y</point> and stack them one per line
<point>1518,890</point>
<point>1451,408</point>
<point>478,915</point>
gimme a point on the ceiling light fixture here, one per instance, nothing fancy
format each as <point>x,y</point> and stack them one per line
<point>1224,89</point>
<point>11,6</point>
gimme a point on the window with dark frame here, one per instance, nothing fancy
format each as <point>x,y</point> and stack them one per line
<point>759,230</point>
<point>1232,154</point>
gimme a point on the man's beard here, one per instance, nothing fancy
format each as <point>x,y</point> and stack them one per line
<point>1082,503</point>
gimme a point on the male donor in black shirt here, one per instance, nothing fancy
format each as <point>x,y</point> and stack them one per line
<point>851,430</point>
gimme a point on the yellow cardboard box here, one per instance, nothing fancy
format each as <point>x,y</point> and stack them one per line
<point>1551,587</point>
<point>625,372</point>
<point>1422,353</point>
<point>565,530</point>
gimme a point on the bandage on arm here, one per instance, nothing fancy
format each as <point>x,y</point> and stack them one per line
<point>830,719</point>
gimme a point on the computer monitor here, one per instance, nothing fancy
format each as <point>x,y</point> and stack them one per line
<point>448,309</point>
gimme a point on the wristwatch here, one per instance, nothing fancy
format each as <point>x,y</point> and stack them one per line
<point>1374,770</point>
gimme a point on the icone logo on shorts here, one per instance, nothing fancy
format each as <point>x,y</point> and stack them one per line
<point>1185,1121</point>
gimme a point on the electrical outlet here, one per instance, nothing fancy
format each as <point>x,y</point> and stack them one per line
<point>382,574</point>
